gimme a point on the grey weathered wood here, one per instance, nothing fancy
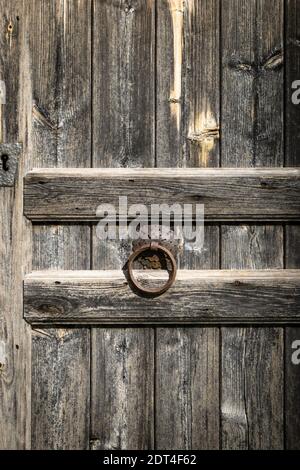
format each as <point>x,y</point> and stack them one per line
<point>292,255</point>
<point>188,83</point>
<point>123,83</point>
<point>60,359</point>
<point>261,296</point>
<point>14,240</point>
<point>58,52</point>
<point>227,194</point>
<point>252,384</point>
<point>122,408</point>
<point>252,247</point>
<point>252,78</point>
<point>252,395</point>
<point>187,388</point>
<point>122,393</point>
<point>12,151</point>
<point>60,418</point>
<point>187,133</point>
<point>252,135</point>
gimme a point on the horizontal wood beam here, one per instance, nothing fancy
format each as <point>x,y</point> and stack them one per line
<point>197,297</point>
<point>257,194</point>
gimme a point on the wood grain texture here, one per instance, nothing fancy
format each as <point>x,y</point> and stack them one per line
<point>187,135</point>
<point>58,52</point>
<point>60,418</point>
<point>197,296</point>
<point>252,77</point>
<point>252,358</point>
<point>188,83</point>
<point>123,83</point>
<point>252,392</point>
<point>14,241</point>
<point>61,357</point>
<point>292,232</point>
<point>122,407</point>
<point>234,194</point>
<point>252,136</point>
<point>187,358</point>
<point>122,398</point>
<point>187,372</point>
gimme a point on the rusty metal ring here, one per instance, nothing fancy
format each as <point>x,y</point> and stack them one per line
<point>153,246</point>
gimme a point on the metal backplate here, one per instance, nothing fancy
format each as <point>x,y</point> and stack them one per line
<point>9,158</point>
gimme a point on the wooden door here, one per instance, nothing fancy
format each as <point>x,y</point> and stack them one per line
<point>186,84</point>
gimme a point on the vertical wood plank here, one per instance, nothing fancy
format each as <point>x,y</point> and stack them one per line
<point>60,135</point>
<point>292,255</point>
<point>188,107</point>
<point>15,243</point>
<point>188,83</point>
<point>252,358</point>
<point>187,368</point>
<point>122,405</point>
<point>252,77</point>
<point>60,376</point>
<point>123,83</point>
<point>123,388</point>
<point>252,135</point>
<point>252,378</point>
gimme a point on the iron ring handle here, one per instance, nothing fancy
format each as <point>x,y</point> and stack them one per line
<point>153,246</point>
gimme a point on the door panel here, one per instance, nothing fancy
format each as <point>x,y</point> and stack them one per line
<point>145,84</point>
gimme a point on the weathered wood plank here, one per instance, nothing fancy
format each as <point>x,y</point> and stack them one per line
<point>292,255</point>
<point>197,296</point>
<point>252,395</point>
<point>252,77</point>
<point>187,368</point>
<point>122,392</point>
<point>188,83</point>
<point>227,194</point>
<point>59,51</point>
<point>122,408</point>
<point>187,133</point>
<point>60,416</point>
<point>124,83</point>
<point>15,368</point>
<point>252,247</point>
<point>252,136</point>
<point>252,358</point>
